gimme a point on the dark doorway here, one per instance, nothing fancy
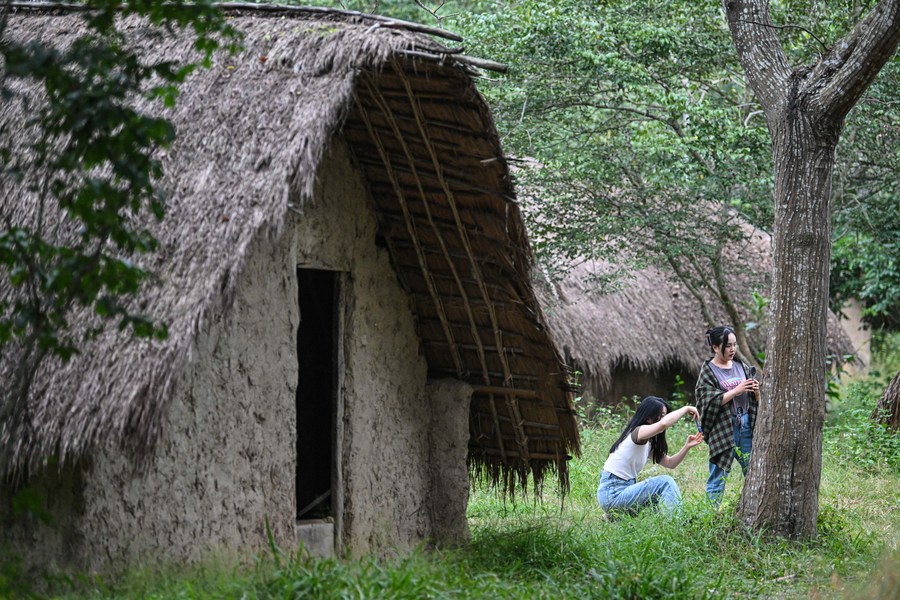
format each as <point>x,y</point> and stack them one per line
<point>316,392</point>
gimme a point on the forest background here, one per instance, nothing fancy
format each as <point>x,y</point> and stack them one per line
<point>629,122</point>
<point>634,120</point>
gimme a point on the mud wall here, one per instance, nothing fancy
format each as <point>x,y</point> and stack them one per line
<point>225,460</point>
<point>386,443</point>
<point>449,400</point>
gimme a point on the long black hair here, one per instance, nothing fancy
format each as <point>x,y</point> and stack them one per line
<point>718,336</point>
<point>649,411</point>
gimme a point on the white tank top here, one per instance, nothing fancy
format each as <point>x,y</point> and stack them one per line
<point>628,459</point>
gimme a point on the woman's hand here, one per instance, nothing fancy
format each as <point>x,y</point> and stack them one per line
<point>749,386</point>
<point>691,412</point>
<point>670,462</point>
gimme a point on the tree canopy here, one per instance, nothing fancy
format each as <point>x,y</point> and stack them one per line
<point>637,118</point>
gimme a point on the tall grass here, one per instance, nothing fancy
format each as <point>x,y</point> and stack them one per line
<point>566,548</point>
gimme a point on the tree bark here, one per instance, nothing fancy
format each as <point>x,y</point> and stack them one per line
<point>782,489</point>
<point>805,109</point>
<point>887,412</point>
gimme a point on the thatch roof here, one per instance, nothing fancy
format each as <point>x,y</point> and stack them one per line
<point>251,134</point>
<point>653,324</point>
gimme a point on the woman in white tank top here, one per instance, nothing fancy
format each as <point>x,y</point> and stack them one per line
<point>645,436</point>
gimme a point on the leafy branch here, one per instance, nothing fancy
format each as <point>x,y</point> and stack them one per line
<point>87,159</point>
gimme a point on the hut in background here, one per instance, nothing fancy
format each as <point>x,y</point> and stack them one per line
<point>860,334</point>
<point>648,336</point>
<point>352,326</point>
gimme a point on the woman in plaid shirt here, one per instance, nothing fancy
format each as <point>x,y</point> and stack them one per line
<point>726,397</point>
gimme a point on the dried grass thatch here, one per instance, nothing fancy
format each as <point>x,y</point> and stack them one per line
<point>251,133</point>
<point>652,324</point>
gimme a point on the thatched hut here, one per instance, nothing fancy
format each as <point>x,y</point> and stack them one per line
<point>648,335</point>
<point>352,327</point>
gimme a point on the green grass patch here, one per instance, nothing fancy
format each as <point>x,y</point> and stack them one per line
<point>567,548</point>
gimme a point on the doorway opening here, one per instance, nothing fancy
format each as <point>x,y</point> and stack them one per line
<point>316,400</point>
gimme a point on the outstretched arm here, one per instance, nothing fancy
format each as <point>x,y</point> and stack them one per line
<point>645,432</point>
<point>670,462</point>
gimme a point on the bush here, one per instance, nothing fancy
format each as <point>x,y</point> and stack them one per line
<point>851,435</point>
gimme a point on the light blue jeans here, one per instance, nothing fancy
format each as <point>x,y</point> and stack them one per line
<point>743,441</point>
<point>617,494</point>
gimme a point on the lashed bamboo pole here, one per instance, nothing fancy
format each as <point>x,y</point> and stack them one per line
<point>473,325</point>
<point>511,402</point>
<point>423,263</point>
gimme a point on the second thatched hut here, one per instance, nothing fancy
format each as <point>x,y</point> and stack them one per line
<point>647,336</point>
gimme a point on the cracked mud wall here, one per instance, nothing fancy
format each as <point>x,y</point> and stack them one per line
<point>386,443</point>
<point>225,461</point>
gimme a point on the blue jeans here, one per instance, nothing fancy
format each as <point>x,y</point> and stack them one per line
<point>743,440</point>
<point>615,493</point>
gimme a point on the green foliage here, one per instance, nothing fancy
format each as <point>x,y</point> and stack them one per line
<point>867,222</point>
<point>868,269</point>
<point>866,190</point>
<point>855,437</point>
<point>91,154</point>
<point>862,443</point>
<point>637,118</point>
<point>678,394</point>
<point>639,121</point>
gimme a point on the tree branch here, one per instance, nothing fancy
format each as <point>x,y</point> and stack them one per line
<point>804,29</point>
<point>844,73</point>
<point>759,50</point>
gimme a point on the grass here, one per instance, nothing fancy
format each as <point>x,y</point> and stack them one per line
<point>569,549</point>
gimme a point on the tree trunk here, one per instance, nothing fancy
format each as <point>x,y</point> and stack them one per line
<point>887,412</point>
<point>781,492</point>
<point>805,109</point>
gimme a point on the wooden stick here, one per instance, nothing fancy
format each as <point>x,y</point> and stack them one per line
<point>512,404</point>
<point>423,263</point>
<point>504,391</point>
<point>481,63</point>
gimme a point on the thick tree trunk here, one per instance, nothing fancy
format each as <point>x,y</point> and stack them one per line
<point>782,488</point>
<point>805,109</point>
<point>888,410</point>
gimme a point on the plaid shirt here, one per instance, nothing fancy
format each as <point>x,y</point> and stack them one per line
<point>715,417</point>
